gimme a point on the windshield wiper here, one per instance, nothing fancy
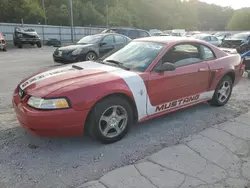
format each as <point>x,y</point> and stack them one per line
<point>118,63</point>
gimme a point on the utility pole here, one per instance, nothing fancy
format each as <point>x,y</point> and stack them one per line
<point>71,18</point>
<point>107,16</point>
<point>44,12</point>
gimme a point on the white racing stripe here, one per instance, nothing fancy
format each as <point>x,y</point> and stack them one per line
<point>133,81</point>
<point>45,75</point>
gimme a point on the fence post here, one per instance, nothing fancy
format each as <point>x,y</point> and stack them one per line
<point>60,33</point>
<point>43,34</point>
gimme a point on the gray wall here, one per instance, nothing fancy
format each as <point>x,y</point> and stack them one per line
<point>62,33</point>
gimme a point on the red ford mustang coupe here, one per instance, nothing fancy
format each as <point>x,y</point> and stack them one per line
<point>147,78</point>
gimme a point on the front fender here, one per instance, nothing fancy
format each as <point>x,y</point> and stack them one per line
<point>84,98</point>
<point>89,49</point>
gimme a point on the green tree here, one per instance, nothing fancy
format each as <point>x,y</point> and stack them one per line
<point>240,20</point>
<point>147,14</point>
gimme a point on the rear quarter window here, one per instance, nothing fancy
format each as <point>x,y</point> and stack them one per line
<point>207,53</point>
<point>143,34</point>
<point>133,34</point>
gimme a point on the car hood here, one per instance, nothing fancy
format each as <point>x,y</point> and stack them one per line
<point>74,47</point>
<point>233,39</point>
<point>44,83</point>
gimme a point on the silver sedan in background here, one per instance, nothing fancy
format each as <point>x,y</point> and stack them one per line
<point>208,38</point>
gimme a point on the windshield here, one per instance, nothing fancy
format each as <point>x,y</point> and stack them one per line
<point>240,36</point>
<point>91,39</point>
<point>137,55</point>
<point>219,34</point>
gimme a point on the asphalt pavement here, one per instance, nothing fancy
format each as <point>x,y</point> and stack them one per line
<point>29,161</point>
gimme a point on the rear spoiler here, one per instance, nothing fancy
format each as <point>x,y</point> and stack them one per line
<point>234,51</point>
<point>229,50</point>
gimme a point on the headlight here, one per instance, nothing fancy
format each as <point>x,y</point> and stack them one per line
<point>20,35</point>
<point>48,104</point>
<point>77,51</point>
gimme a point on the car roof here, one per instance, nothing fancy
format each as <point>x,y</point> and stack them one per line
<point>203,34</point>
<point>127,28</point>
<point>166,39</point>
<point>105,34</point>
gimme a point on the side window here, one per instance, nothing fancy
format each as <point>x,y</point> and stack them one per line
<point>214,38</point>
<point>182,54</point>
<point>109,40</point>
<point>133,34</point>
<point>143,34</point>
<point>207,53</point>
<point>119,39</point>
<point>207,39</point>
<point>122,31</point>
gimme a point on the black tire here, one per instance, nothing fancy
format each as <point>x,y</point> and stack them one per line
<point>248,75</point>
<point>39,44</point>
<point>20,45</point>
<point>215,100</point>
<point>95,124</point>
<point>91,56</point>
<point>4,49</point>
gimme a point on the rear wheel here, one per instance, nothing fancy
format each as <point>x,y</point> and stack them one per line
<point>223,92</point>
<point>4,49</point>
<point>110,120</point>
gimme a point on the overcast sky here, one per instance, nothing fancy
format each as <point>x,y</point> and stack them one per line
<point>236,4</point>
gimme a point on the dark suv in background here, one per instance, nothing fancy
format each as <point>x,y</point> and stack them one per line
<point>132,33</point>
<point>28,36</point>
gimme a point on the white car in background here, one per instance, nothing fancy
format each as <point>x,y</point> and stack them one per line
<point>208,38</point>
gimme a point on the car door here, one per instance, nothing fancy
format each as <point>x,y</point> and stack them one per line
<point>187,84</point>
<point>106,45</point>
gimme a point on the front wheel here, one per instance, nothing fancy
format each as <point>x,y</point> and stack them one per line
<point>39,44</point>
<point>20,45</point>
<point>91,56</point>
<point>110,120</point>
<point>223,92</point>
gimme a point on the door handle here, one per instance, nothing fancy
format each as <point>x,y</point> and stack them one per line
<point>202,70</point>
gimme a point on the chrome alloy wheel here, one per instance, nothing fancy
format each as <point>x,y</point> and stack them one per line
<point>90,56</point>
<point>113,121</point>
<point>224,91</point>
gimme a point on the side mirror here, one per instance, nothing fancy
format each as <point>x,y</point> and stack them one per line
<point>103,43</point>
<point>165,67</point>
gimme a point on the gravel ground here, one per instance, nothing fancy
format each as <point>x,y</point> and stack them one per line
<point>28,161</point>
